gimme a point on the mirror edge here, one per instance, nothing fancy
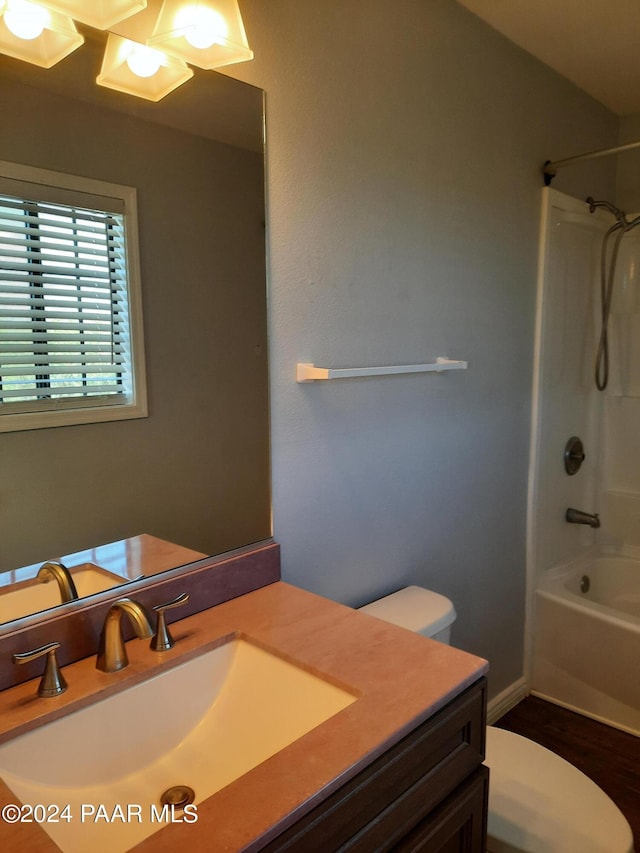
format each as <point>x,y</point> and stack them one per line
<point>210,582</point>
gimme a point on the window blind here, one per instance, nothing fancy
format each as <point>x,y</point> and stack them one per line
<point>64,326</point>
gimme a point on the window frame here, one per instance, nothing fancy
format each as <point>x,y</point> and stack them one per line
<point>84,411</point>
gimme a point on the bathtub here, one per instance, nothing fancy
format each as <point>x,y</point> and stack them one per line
<point>586,648</point>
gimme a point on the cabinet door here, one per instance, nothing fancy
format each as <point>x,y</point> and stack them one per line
<point>458,825</point>
<point>405,786</point>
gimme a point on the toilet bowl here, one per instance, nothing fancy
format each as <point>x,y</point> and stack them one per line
<point>538,802</point>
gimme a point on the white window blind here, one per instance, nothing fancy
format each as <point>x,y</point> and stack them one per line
<point>65,319</point>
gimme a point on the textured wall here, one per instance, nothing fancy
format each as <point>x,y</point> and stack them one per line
<point>405,141</point>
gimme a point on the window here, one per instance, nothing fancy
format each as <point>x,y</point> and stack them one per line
<point>71,348</point>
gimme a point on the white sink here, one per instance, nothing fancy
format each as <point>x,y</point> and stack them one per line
<point>32,597</point>
<point>201,724</point>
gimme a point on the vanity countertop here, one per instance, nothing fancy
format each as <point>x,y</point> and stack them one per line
<point>401,679</point>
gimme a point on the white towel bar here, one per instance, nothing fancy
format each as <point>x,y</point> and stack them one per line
<point>310,373</point>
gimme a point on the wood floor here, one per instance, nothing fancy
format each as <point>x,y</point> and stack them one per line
<point>608,756</point>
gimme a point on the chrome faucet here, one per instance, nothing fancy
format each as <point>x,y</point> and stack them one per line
<point>112,654</point>
<point>576,516</point>
<point>62,575</point>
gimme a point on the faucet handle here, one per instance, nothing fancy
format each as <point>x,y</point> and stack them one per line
<point>162,640</point>
<point>52,682</point>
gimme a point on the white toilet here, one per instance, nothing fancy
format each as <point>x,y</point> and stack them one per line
<point>538,802</point>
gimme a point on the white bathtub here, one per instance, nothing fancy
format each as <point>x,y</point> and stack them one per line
<point>587,644</point>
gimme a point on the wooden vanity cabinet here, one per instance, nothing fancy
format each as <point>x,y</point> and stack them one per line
<point>427,793</point>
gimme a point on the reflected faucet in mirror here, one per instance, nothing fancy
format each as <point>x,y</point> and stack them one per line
<point>55,570</point>
<point>92,571</point>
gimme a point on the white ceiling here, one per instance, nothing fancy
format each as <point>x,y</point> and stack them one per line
<point>594,43</point>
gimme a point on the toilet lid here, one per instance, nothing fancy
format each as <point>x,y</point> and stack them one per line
<point>415,608</point>
<point>539,803</point>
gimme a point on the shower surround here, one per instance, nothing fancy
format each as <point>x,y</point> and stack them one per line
<point>583,653</point>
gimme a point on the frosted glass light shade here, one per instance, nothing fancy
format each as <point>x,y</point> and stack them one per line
<point>100,14</point>
<point>120,58</point>
<point>52,37</point>
<point>206,33</point>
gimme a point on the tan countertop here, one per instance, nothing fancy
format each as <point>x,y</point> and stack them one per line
<point>400,678</point>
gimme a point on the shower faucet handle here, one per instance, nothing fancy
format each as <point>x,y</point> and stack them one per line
<point>574,455</point>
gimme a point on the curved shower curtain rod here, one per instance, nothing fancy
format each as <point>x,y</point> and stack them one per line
<point>551,166</point>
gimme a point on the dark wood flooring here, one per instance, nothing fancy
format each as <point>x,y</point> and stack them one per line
<point>608,756</point>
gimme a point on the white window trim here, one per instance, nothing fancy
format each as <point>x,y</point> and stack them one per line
<point>86,413</point>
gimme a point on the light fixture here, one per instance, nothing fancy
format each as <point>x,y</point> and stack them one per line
<point>25,20</point>
<point>33,33</point>
<point>149,42</point>
<point>206,33</point>
<point>100,14</point>
<point>137,69</point>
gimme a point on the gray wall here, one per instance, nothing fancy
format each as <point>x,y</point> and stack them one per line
<point>405,142</point>
<point>196,471</point>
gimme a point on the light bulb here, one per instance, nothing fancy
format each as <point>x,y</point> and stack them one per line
<point>25,20</point>
<point>144,61</point>
<point>203,26</point>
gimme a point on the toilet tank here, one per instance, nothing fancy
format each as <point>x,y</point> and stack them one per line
<point>416,609</point>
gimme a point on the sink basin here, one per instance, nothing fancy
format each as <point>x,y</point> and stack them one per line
<point>34,596</point>
<point>202,724</point>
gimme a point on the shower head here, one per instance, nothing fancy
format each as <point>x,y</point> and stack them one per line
<point>620,215</point>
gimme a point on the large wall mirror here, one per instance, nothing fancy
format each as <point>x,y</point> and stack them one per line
<point>195,472</point>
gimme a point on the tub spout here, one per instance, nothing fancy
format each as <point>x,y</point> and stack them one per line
<point>576,516</point>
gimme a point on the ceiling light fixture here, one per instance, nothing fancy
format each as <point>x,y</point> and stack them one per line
<point>149,42</point>
<point>139,70</point>
<point>100,14</point>
<point>206,33</point>
<point>35,34</point>
<point>25,20</point>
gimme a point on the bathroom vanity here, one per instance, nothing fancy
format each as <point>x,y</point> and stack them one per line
<point>427,793</point>
<point>398,766</point>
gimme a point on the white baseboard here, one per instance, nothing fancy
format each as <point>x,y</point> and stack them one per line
<point>508,699</point>
<point>608,721</point>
